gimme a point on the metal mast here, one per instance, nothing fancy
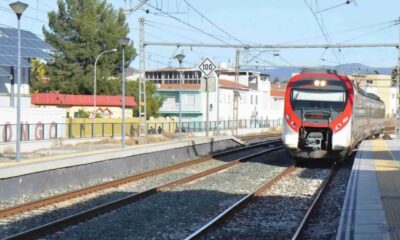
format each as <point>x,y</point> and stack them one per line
<point>142,130</point>
<point>236,95</point>
<point>397,89</point>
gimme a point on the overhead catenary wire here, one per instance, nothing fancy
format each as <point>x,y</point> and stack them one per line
<point>213,24</point>
<point>176,34</point>
<point>321,27</point>
<point>188,24</point>
<point>368,33</point>
<point>71,17</point>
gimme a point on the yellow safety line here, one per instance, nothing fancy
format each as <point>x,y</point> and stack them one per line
<point>57,157</point>
<point>388,176</point>
<point>381,153</point>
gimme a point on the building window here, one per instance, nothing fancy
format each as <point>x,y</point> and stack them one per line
<point>256,100</point>
<point>251,99</point>
<point>171,101</point>
<point>190,99</point>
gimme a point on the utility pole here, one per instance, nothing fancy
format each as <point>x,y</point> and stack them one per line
<point>236,95</point>
<point>142,87</point>
<point>397,88</point>
<point>218,96</point>
<point>207,108</point>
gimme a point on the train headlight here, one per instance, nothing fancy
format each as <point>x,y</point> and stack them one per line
<point>287,116</point>
<point>323,83</point>
<point>317,83</point>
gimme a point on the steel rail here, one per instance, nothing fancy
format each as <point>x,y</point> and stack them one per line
<point>251,137</point>
<point>60,224</point>
<point>81,192</point>
<point>239,204</point>
<point>315,201</point>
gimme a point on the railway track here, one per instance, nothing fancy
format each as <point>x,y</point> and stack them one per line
<point>60,224</point>
<point>84,191</point>
<point>219,220</point>
<point>321,190</point>
<point>251,138</point>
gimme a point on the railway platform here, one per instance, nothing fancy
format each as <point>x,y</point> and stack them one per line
<point>66,172</point>
<point>371,209</point>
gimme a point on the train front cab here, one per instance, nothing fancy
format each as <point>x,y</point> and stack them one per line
<point>317,122</point>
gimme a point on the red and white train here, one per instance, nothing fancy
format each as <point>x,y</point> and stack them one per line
<point>326,115</point>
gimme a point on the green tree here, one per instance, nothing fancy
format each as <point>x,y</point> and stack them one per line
<point>79,31</point>
<point>153,100</point>
<point>276,80</point>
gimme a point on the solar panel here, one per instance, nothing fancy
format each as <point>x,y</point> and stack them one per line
<point>7,61</point>
<point>4,72</point>
<point>31,45</point>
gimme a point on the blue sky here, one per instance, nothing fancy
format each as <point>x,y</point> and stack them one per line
<point>254,21</point>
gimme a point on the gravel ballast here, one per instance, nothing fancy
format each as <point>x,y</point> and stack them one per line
<point>324,220</point>
<point>277,213</point>
<point>21,222</point>
<point>178,212</point>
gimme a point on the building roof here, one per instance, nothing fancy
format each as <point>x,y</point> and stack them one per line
<point>231,85</point>
<point>31,47</point>
<point>278,93</point>
<point>278,89</point>
<point>185,86</point>
<point>80,100</point>
<point>174,69</point>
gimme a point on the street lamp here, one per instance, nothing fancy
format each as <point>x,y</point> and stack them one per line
<point>123,41</point>
<point>18,7</point>
<point>180,58</point>
<point>95,88</point>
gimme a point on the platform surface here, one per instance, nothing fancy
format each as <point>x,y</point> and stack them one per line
<point>12,168</point>
<point>371,209</point>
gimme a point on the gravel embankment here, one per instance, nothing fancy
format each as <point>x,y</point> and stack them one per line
<point>34,197</point>
<point>176,213</point>
<point>324,220</point>
<point>56,211</point>
<point>277,212</point>
<point>18,223</point>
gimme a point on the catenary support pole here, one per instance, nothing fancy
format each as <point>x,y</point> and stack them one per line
<point>397,89</point>
<point>207,108</point>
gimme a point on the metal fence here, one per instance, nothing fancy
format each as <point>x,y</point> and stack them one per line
<point>52,131</point>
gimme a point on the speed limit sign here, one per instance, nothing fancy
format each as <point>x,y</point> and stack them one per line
<point>207,67</point>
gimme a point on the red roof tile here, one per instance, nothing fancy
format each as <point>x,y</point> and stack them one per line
<point>80,100</point>
<point>278,93</point>
<point>231,84</point>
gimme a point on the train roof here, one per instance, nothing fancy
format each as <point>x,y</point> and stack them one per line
<point>319,70</point>
<point>325,70</point>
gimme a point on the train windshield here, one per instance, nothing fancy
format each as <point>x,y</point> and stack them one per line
<point>305,99</point>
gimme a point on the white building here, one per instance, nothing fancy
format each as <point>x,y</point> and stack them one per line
<point>254,94</point>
